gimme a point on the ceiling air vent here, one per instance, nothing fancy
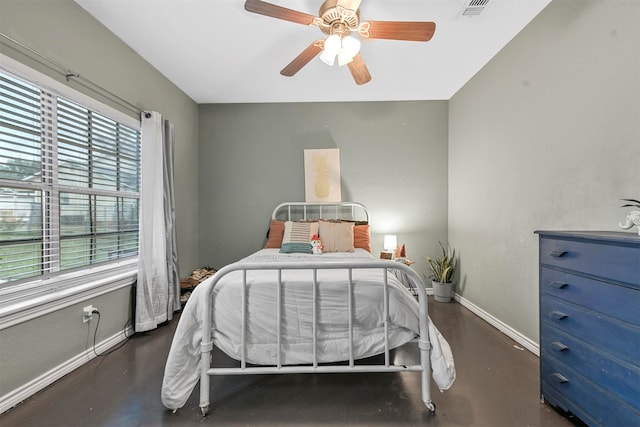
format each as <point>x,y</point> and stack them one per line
<point>474,7</point>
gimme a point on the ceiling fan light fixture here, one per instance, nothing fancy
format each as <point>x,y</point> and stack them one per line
<point>350,48</point>
<point>332,46</point>
<point>344,59</point>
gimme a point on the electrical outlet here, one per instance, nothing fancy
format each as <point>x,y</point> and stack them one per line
<point>87,313</point>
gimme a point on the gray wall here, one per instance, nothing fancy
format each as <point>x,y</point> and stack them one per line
<point>546,136</point>
<point>63,31</point>
<point>32,348</point>
<point>393,159</point>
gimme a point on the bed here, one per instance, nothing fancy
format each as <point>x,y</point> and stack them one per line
<point>288,309</point>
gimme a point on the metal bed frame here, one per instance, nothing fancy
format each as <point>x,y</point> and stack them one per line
<point>423,340</point>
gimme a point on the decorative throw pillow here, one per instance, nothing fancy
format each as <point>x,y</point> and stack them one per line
<point>362,237</point>
<point>276,232</point>
<point>336,236</point>
<point>297,237</point>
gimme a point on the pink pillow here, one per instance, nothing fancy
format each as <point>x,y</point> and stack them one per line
<point>276,232</point>
<point>361,237</point>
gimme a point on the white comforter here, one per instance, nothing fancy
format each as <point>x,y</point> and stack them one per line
<point>182,370</point>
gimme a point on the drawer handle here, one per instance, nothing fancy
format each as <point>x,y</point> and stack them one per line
<point>558,315</point>
<point>559,378</point>
<point>558,253</point>
<point>559,346</point>
<point>558,285</point>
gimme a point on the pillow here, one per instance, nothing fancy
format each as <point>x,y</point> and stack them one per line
<point>362,237</point>
<point>275,234</point>
<point>336,236</point>
<point>297,237</point>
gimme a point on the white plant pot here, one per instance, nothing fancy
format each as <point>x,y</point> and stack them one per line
<point>442,292</point>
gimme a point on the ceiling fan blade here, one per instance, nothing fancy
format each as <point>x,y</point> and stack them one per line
<point>275,11</point>
<point>398,30</point>
<point>303,59</point>
<point>359,70</point>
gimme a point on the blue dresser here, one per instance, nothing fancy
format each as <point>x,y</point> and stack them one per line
<point>590,325</point>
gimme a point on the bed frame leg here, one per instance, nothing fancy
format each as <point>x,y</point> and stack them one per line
<point>430,406</point>
<point>204,395</point>
<point>425,355</point>
<point>205,364</point>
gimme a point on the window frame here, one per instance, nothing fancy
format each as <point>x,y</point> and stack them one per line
<point>33,296</point>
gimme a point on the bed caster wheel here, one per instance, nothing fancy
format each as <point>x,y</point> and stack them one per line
<point>430,406</point>
<point>204,410</point>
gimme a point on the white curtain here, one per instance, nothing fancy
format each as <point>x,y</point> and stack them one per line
<point>158,286</point>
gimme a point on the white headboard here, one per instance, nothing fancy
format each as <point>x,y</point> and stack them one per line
<point>295,211</point>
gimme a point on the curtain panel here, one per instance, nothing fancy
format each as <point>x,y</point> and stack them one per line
<point>158,285</point>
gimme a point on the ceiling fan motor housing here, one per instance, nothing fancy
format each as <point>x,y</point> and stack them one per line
<point>336,22</point>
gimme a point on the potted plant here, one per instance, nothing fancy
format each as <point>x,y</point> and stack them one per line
<point>442,271</point>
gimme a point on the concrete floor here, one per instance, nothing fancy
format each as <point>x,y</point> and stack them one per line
<point>496,386</point>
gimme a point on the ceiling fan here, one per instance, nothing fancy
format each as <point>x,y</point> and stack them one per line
<point>338,19</point>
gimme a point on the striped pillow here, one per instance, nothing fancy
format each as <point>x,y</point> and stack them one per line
<point>297,237</point>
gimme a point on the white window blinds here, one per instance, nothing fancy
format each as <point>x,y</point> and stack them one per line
<point>69,183</point>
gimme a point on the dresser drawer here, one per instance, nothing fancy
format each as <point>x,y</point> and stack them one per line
<point>616,262</point>
<point>603,332</point>
<point>564,387</point>
<point>616,301</point>
<point>619,378</point>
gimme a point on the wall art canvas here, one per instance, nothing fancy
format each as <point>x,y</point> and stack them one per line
<point>322,175</point>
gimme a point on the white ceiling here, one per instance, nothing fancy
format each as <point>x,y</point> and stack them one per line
<point>217,52</point>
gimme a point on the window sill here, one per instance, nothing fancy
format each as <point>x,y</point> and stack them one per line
<point>46,296</point>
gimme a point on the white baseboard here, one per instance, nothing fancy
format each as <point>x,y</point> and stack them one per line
<point>18,395</point>
<point>525,342</point>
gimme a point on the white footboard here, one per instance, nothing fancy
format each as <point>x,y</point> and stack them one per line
<point>423,339</point>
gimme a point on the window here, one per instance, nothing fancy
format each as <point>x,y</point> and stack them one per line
<point>69,184</point>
